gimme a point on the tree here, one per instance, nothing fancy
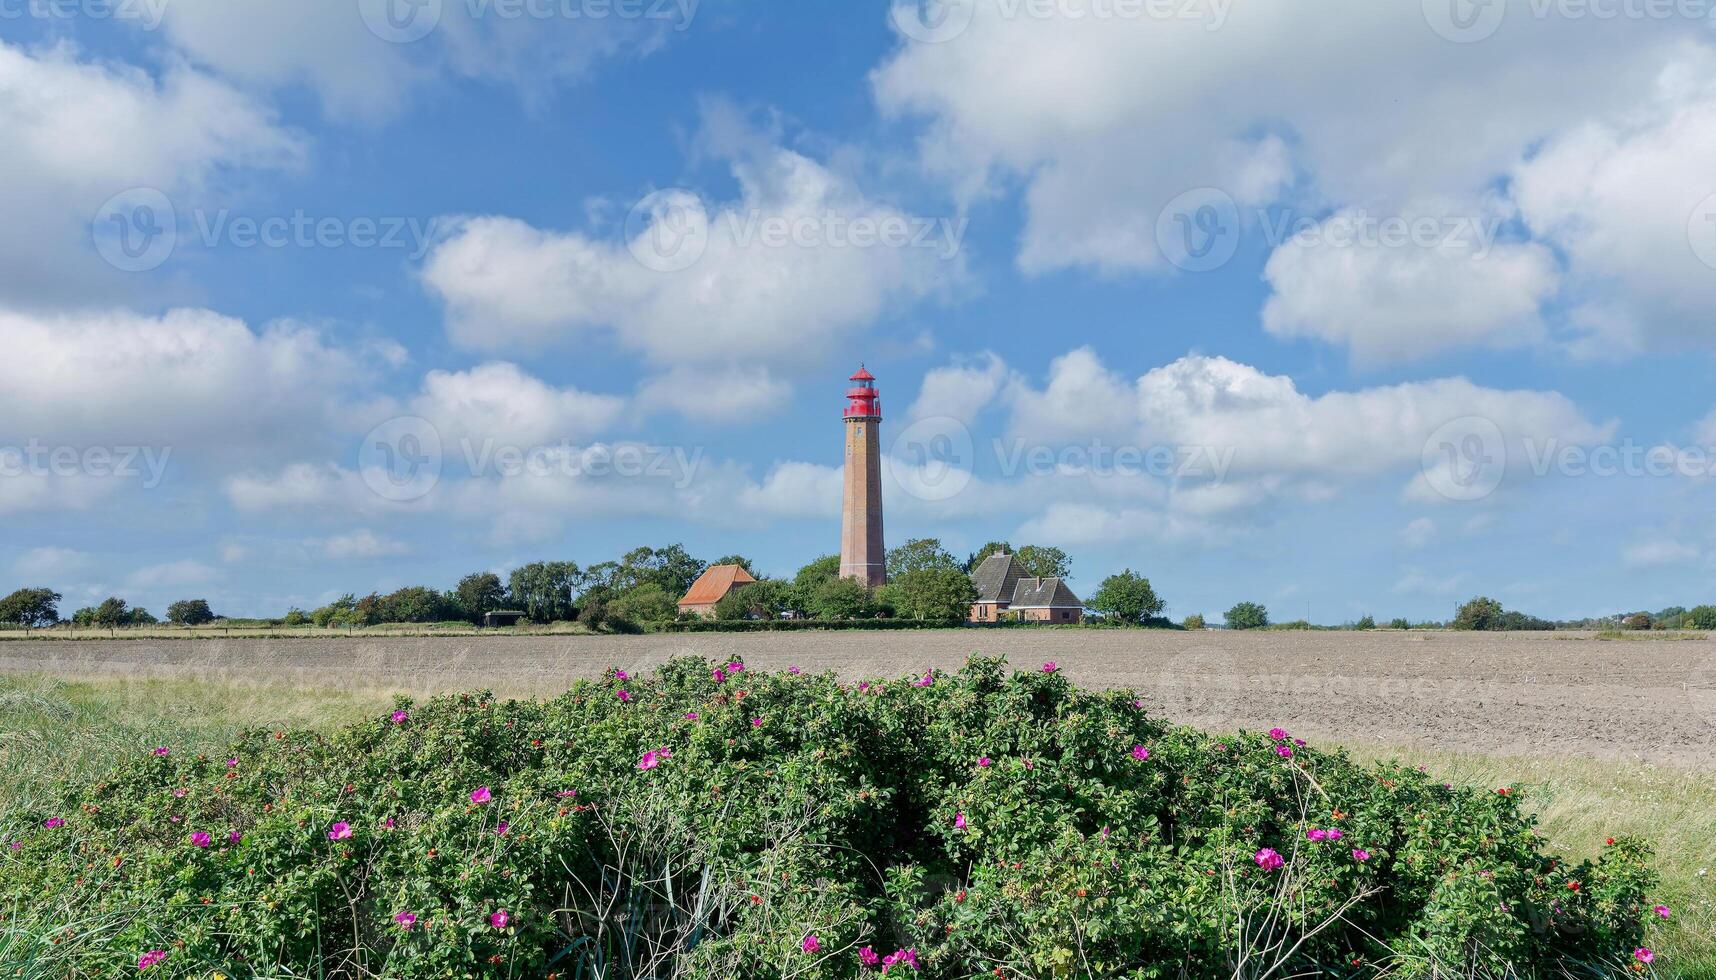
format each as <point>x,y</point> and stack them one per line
<point>809,579</point>
<point>1480,613</point>
<point>31,608</point>
<point>1367,623</point>
<point>1700,618</point>
<point>841,598</point>
<point>190,612</point>
<point>1247,616</point>
<point>416,604</point>
<point>672,568</point>
<point>1399,623</point>
<point>1127,597</point>
<point>646,603</point>
<point>1194,622</point>
<point>1637,621</point>
<point>543,590</point>
<point>941,594</point>
<point>977,557</point>
<point>765,598</point>
<point>140,617</point>
<point>1042,562</point>
<point>337,613</point>
<point>295,617</point>
<point>478,593</point>
<point>920,555</point>
<point>112,612</point>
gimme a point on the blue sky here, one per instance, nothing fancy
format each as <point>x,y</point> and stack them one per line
<point>1363,310</point>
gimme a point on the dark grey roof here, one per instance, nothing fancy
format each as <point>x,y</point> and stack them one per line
<point>1051,592</point>
<point>997,577</point>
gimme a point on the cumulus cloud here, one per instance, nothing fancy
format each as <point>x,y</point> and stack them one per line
<point>721,394</point>
<point>170,575</point>
<point>1659,553</point>
<point>51,564</point>
<point>497,402</point>
<point>960,390</point>
<point>1405,286</point>
<point>328,47</point>
<point>79,131</point>
<point>298,486</point>
<point>778,274</point>
<point>188,379</point>
<point>1418,533</point>
<point>359,545</point>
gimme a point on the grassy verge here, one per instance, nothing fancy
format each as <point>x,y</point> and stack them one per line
<point>51,728</point>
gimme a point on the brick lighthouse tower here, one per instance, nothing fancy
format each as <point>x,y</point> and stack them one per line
<point>861,554</point>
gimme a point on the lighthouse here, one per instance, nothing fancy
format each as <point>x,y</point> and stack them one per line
<point>861,554</point>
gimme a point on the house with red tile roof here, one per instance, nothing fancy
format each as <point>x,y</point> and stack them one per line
<point>712,586</point>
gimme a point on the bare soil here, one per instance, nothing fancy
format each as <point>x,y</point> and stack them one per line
<point>1557,694</point>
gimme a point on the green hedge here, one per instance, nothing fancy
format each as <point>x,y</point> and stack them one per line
<point>737,825</point>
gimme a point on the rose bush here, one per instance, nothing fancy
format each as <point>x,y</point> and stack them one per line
<point>717,822</point>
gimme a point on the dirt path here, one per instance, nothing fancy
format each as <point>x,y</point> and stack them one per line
<point>1515,694</point>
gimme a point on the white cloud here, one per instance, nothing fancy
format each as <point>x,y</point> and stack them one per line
<point>186,380</point>
<point>1631,199</point>
<point>1418,533</point>
<point>722,394</point>
<point>79,132</point>
<point>1705,433</point>
<point>1659,553</point>
<point>359,545</point>
<point>1396,301</point>
<point>749,299</point>
<point>170,575</point>
<point>326,46</point>
<point>297,486</point>
<point>1417,582</point>
<point>498,402</point>
<point>1106,119</point>
<point>50,564</point>
<point>1083,400</point>
<point>960,390</point>
<point>29,492</point>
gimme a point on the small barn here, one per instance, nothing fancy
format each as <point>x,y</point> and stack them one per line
<point>712,586</point>
<point>1003,589</point>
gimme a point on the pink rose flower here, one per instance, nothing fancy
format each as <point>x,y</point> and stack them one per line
<point>959,821</point>
<point>499,919</point>
<point>867,956</point>
<point>811,944</point>
<point>481,795</point>
<point>1644,955</point>
<point>201,839</point>
<point>150,958</point>
<point>340,831</point>
<point>1268,859</point>
<point>1360,855</point>
<point>405,919</point>
<point>400,717</point>
<point>1140,753</point>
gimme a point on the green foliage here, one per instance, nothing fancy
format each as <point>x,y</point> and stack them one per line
<point>1399,623</point>
<point>1193,622</point>
<point>1128,597</point>
<point>417,604</point>
<point>841,598</point>
<point>1484,613</point>
<point>479,593</point>
<point>1247,616</point>
<point>190,612</point>
<point>763,599</point>
<point>739,560</point>
<point>112,612</point>
<point>1098,842</point>
<point>1043,562</point>
<point>1700,618</point>
<point>645,603</point>
<point>1366,623</point>
<point>543,590</point>
<point>30,608</point>
<point>920,555</point>
<point>295,617</point>
<point>140,617</point>
<point>943,594</point>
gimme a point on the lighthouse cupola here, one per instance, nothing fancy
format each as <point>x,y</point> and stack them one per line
<point>862,402</point>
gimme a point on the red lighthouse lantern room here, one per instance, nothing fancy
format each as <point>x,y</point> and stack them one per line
<point>862,402</point>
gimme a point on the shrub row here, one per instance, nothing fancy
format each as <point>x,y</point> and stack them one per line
<point>714,822</point>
